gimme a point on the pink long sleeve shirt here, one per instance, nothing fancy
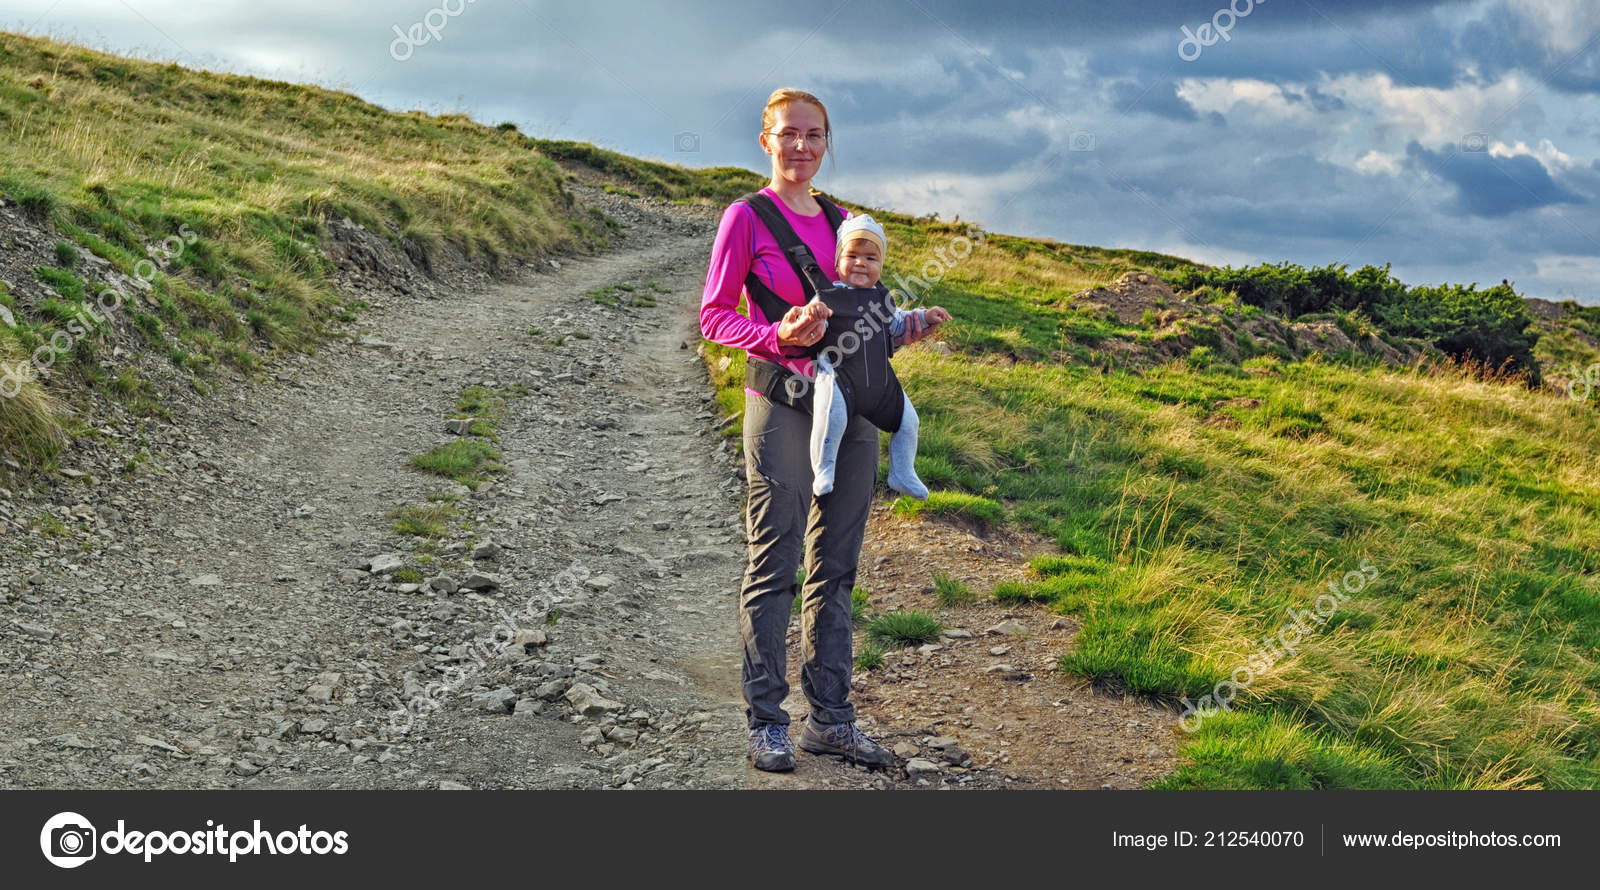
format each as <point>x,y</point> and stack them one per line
<point>743,244</point>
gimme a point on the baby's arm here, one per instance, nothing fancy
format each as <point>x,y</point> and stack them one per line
<point>902,319</point>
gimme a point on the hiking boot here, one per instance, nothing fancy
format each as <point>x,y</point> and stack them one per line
<point>770,748</point>
<point>846,740</point>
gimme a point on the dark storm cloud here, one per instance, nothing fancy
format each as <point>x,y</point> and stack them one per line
<point>1492,186</point>
<point>1293,42</point>
<point>1273,198</point>
<point>1508,40</point>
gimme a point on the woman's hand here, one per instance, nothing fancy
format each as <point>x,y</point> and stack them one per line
<point>916,330</point>
<point>802,326</point>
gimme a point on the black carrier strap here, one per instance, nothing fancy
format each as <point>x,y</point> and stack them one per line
<point>772,380</point>
<point>795,250</point>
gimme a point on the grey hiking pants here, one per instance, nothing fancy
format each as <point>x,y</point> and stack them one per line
<point>782,515</point>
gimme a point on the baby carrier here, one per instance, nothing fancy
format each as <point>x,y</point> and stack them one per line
<point>856,341</point>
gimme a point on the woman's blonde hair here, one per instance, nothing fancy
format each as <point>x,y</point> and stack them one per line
<point>781,98</point>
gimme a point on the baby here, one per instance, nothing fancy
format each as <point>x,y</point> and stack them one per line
<point>861,248</point>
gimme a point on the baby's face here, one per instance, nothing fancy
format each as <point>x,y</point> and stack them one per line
<point>860,263</point>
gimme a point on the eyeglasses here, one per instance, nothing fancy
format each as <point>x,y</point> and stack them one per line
<point>814,139</point>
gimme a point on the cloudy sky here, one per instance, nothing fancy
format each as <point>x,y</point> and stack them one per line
<point>1459,141</point>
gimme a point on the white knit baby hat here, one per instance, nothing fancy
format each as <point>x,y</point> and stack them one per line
<point>863,226</point>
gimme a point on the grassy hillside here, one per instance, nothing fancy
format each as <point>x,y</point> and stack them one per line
<point>1203,505</point>
<point>115,156</point>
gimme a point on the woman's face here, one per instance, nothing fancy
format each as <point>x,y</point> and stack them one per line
<point>795,159</point>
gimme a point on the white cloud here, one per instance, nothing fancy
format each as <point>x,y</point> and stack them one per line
<point>1225,95</point>
<point>1553,158</point>
<point>1375,162</point>
<point>1428,114</point>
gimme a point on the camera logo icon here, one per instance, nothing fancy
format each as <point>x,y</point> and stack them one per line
<point>67,840</point>
<point>686,141</point>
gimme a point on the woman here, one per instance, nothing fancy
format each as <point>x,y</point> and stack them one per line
<point>782,516</point>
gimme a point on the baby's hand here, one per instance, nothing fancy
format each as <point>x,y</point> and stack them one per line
<point>816,310</point>
<point>920,324</point>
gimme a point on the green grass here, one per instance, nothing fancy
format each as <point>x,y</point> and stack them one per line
<point>423,520</point>
<point>870,658</point>
<point>1274,751</point>
<point>892,629</point>
<point>1068,582</point>
<point>483,407</point>
<point>975,508</point>
<point>481,402</point>
<point>1016,592</point>
<point>467,461</point>
<point>951,591</point>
